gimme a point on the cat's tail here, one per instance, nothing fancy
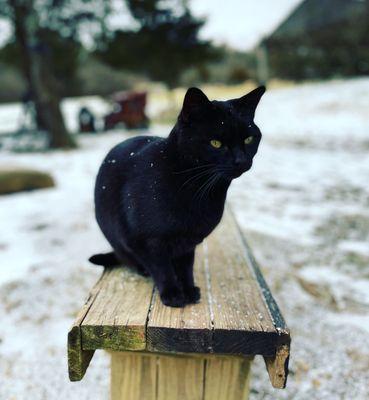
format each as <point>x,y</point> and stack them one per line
<point>107,260</point>
<point>111,260</point>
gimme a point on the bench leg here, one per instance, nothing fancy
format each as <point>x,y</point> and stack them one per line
<point>141,376</point>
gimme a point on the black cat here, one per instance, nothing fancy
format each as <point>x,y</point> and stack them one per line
<point>157,198</point>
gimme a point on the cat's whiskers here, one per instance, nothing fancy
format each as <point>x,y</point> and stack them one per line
<point>204,190</point>
<point>212,184</point>
<point>204,193</point>
<point>194,168</point>
<point>225,169</point>
<point>208,184</point>
<point>196,177</point>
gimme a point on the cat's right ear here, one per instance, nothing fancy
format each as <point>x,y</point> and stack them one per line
<point>247,104</point>
<point>194,103</point>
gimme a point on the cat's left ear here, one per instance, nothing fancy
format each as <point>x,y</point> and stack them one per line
<point>247,104</point>
<point>195,104</point>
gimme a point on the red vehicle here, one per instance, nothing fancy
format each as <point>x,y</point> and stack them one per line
<point>129,110</point>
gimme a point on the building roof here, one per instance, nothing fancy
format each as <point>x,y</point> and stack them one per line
<point>314,14</point>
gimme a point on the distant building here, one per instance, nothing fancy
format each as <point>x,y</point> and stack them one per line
<point>321,39</point>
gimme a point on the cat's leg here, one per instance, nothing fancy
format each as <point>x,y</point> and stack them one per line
<point>184,270</point>
<point>162,271</point>
<point>156,259</point>
<point>127,257</point>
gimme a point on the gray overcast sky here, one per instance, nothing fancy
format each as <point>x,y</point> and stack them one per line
<point>241,23</point>
<point>237,23</point>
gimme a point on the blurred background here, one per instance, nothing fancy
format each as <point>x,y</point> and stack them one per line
<point>77,77</point>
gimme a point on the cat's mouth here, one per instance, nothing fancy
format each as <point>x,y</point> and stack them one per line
<point>237,172</point>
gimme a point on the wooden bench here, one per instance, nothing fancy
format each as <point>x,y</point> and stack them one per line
<point>203,351</point>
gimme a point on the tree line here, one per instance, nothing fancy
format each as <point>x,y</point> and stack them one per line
<point>47,43</point>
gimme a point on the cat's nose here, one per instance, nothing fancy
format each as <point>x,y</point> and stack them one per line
<point>238,157</point>
<point>239,160</point>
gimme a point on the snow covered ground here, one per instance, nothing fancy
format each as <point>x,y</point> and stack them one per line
<point>303,207</point>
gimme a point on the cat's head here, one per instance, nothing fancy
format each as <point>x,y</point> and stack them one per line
<point>222,134</point>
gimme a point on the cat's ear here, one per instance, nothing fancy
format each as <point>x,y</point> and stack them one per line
<point>194,103</point>
<point>247,104</point>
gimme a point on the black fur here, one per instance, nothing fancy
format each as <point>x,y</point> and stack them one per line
<point>157,198</point>
<point>107,260</point>
<point>110,260</point>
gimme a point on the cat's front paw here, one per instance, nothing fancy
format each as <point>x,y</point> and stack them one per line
<point>173,297</point>
<point>193,295</point>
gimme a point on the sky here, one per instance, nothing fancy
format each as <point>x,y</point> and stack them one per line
<point>237,23</point>
<point>241,23</point>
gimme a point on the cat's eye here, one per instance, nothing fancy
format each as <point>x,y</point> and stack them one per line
<point>216,143</point>
<point>249,140</point>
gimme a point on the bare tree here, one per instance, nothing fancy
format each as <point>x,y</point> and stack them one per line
<point>28,18</point>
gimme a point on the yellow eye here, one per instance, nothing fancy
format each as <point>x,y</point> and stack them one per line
<point>248,140</point>
<point>216,143</point>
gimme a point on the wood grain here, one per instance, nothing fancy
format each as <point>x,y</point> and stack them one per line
<point>242,323</point>
<point>180,378</point>
<point>237,314</point>
<point>149,376</point>
<point>277,366</point>
<point>232,317</point>
<point>117,318</point>
<point>133,376</point>
<point>187,329</point>
<point>78,358</point>
<point>227,378</point>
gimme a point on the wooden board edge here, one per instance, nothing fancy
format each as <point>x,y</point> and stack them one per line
<point>205,356</point>
<point>78,358</point>
<point>208,341</point>
<point>114,337</point>
<point>271,304</point>
<point>277,366</point>
<point>171,340</point>
<point>246,343</point>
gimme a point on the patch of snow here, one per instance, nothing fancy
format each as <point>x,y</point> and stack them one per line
<point>355,246</point>
<point>358,321</point>
<point>303,207</point>
<point>341,285</point>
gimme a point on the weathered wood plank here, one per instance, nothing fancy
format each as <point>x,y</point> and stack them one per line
<point>237,314</point>
<point>241,320</point>
<point>117,318</point>
<point>277,366</point>
<point>186,329</point>
<point>78,358</point>
<point>271,304</point>
<point>232,317</point>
